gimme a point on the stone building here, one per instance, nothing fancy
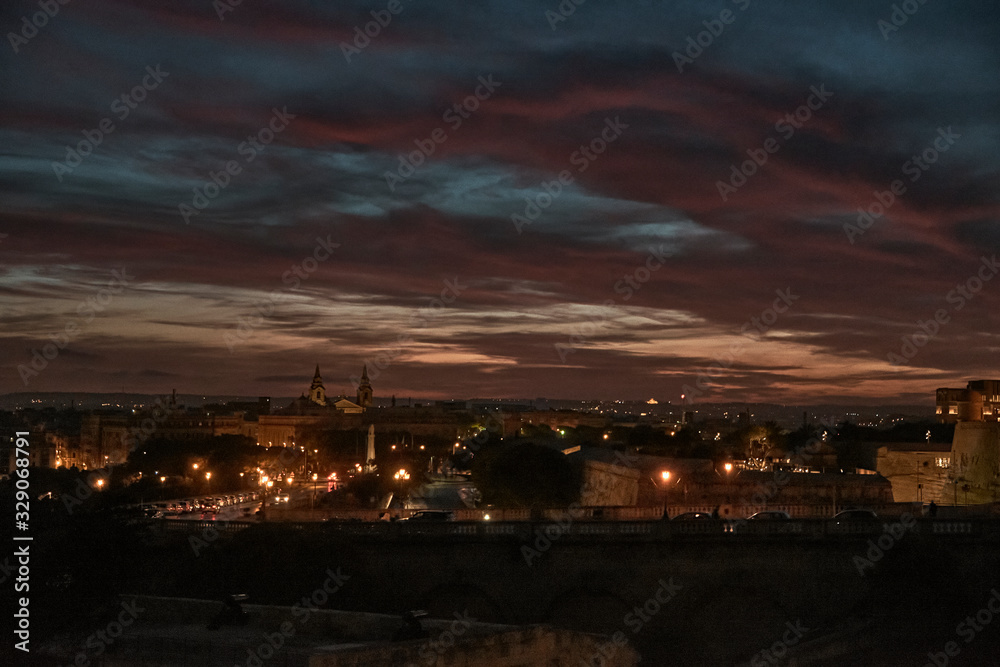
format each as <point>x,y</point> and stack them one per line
<point>979,401</point>
<point>917,471</point>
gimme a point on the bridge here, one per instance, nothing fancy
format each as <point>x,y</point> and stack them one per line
<point>747,580</point>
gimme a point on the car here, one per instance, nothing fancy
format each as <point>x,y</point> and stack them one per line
<point>855,514</point>
<point>855,518</point>
<point>693,516</point>
<point>431,515</point>
<point>770,515</point>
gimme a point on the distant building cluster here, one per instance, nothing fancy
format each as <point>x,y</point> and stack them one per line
<point>979,401</point>
<point>105,437</point>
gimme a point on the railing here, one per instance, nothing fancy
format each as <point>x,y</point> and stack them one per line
<point>568,527</point>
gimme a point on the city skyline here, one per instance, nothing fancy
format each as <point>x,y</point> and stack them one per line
<point>626,202</point>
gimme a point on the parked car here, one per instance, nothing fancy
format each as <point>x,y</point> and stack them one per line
<point>854,517</point>
<point>770,515</point>
<point>855,514</point>
<point>693,516</point>
<point>431,515</point>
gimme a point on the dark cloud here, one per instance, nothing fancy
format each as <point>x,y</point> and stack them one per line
<point>636,260</point>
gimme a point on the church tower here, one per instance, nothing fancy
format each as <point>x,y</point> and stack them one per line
<point>317,393</point>
<point>365,389</point>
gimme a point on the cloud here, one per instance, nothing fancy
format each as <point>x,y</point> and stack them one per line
<point>652,192</point>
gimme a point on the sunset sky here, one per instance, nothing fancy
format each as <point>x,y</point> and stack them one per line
<point>635,274</point>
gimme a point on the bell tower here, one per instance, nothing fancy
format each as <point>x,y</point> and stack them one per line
<point>365,389</point>
<point>317,393</point>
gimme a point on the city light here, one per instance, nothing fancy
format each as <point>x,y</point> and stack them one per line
<point>728,467</point>
<point>665,475</point>
<point>162,479</point>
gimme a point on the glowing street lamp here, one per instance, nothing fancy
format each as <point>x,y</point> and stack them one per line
<point>728,467</point>
<point>162,479</point>
<point>665,475</point>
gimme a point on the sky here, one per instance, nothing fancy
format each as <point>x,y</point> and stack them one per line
<point>693,201</point>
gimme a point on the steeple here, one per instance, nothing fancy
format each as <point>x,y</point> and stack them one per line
<point>365,389</point>
<point>317,393</point>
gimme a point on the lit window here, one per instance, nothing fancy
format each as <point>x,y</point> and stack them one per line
<point>952,409</point>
